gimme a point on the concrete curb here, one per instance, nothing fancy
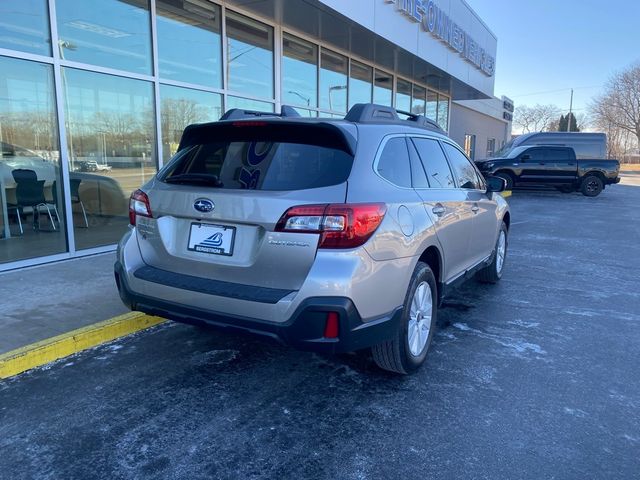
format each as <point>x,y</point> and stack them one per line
<point>40,353</point>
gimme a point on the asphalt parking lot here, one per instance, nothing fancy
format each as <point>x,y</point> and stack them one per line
<point>537,377</point>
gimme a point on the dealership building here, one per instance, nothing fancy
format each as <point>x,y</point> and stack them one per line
<point>94,94</point>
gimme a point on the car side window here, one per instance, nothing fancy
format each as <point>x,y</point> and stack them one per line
<point>393,163</point>
<point>463,169</point>
<point>534,154</point>
<point>557,154</point>
<point>418,175</point>
<point>434,163</point>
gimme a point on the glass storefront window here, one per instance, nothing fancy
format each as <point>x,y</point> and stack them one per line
<point>299,72</point>
<point>110,33</point>
<point>180,107</point>
<point>432,105</point>
<point>24,26</point>
<point>249,56</point>
<point>333,81</point>
<point>248,104</point>
<point>383,88</point>
<point>418,104</point>
<point>29,163</point>
<point>443,112</point>
<point>189,42</point>
<point>110,136</point>
<point>360,83</point>
<point>403,95</point>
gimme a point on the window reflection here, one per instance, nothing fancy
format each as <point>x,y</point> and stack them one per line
<point>382,88</point>
<point>110,136</point>
<point>189,45</point>
<point>443,112</point>
<point>432,105</point>
<point>333,81</point>
<point>180,107</point>
<point>249,56</point>
<point>418,101</point>
<point>248,104</point>
<point>299,72</point>
<point>109,33</point>
<point>360,83</point>
<point>403,95</point>
<point>24,26</point>
<point>29,163</point>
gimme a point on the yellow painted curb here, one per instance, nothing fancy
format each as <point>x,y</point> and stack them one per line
<point>54,348</point>
<point>506,193</point>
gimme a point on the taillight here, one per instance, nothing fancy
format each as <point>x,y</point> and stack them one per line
<point>340,225</point>
<point>138,205</point>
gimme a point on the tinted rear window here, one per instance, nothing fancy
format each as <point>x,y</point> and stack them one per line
<point>259,165</point>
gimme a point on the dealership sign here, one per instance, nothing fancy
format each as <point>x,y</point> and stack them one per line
<point>433,20</point>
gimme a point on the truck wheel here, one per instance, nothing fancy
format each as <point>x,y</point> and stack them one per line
<point>492,273</point>
<point>408,350</point>
<point>591,186</point>
<point>507,178</point>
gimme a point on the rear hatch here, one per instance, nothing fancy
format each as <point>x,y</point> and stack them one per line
<point>216,204</point>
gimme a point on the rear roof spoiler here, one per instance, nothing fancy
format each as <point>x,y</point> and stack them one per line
<point>327,134</point>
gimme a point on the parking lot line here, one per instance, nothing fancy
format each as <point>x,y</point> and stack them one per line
<point>46,351</point>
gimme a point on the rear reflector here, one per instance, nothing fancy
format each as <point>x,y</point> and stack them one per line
<point>332,327</point>
<point>138,205</point>
<point>341,225</point>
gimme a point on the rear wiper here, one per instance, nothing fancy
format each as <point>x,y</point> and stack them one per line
<point>195,179</point>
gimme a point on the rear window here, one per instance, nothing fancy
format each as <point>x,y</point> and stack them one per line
<point>259,165</point>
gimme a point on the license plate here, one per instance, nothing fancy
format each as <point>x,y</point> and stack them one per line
<point>214,239</point>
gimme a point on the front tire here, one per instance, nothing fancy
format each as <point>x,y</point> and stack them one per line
<point>507,178</point>
<point>408,350</point>
<point>591,186</point>
<point>492,273</point>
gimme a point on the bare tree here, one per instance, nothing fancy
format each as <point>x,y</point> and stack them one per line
<point>538,118</point>
<point>617,110</point>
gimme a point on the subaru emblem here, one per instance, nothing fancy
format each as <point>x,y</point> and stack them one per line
<point>203,205</point>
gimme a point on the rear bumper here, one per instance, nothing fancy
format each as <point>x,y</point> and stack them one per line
<point>303,330</point>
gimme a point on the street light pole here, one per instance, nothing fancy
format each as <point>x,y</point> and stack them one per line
<point>570,112</point>
<point>306,99</point>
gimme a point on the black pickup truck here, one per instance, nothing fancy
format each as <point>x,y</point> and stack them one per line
<point>552,165</point>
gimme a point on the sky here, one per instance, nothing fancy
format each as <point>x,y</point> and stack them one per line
<point>547,47</point>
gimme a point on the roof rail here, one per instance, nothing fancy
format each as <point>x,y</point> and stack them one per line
<point>238,113</point>
<point>422,121</point>
<point>372,113</point>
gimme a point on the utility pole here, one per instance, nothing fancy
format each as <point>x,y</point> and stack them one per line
<point>570,112</point>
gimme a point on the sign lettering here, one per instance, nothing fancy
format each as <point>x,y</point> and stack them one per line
<point>434,20</point>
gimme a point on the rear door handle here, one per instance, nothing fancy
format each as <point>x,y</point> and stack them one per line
<point>439,210</point>
<point>475,209</point>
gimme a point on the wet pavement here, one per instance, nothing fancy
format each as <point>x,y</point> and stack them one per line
<point>537,377</point>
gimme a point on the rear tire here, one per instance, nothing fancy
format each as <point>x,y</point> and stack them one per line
<point>492,273</point>
<point>591,186</point>
<point>507,178</point>
<point>408,350</point>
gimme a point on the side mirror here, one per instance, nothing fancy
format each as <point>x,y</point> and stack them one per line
<point>525,157</point>
<point>496,184</point>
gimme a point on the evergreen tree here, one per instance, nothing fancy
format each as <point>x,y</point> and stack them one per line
<point>562,125</point>
<point>573,123</point>
<point>568,123</point>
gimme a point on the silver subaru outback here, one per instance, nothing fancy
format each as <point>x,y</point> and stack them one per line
<point>328,235</point>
